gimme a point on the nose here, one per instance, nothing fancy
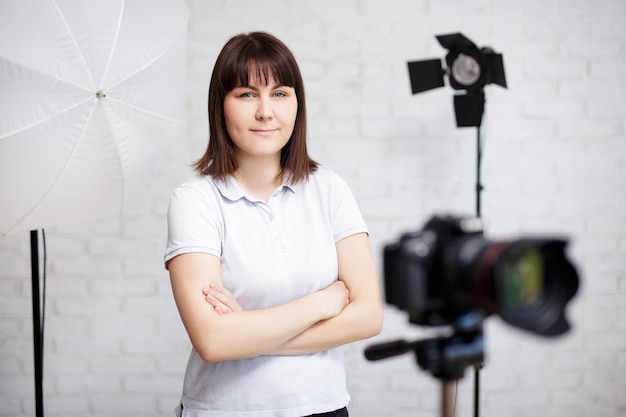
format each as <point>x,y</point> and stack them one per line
<point>264,110</point>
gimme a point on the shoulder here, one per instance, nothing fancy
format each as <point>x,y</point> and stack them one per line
<point>326,177</point>
<point>200,190</point>
<point>325,185</point>
<point>197,185</point>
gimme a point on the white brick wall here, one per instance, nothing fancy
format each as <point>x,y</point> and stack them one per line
<point>554,162</point>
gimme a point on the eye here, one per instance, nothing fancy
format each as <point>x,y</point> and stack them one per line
<point>242,93</point>
<point>283,92</point>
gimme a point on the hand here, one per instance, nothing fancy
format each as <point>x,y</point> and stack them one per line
<point>336,297</point>
<point>221,299</point>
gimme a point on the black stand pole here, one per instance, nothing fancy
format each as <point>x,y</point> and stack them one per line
<point>477,390</point>
<point>479,189</point>
<point>37,336</point>
<point>479,186</point>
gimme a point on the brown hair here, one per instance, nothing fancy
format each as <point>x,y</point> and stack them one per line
<point>264,56</point>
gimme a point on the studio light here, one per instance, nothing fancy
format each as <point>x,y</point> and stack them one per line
<point>469,70</point>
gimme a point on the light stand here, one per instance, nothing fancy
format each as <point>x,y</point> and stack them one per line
<point>37,325</point>
<point>469,70</point>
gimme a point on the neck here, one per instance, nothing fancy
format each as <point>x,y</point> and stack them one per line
<point>259,178</point>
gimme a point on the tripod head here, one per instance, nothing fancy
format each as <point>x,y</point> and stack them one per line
<point>444,357</point>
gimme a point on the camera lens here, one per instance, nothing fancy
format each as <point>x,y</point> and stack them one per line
<point>522,282</point>
<point>531,281</point>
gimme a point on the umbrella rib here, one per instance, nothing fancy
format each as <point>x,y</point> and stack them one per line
<point>141,109</point>
<point>47,74</point>
<point>43,197</point>
<point>117,34</point>
<point>152,61</point>
<point>38,122</point>
<point>73,38</point>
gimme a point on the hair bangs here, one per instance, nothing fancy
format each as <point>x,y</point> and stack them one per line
<point>259,66</point>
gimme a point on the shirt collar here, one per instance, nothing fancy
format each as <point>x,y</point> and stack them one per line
<point>230,189</point>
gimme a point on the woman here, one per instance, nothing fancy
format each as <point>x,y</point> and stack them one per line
<point>268,254</point>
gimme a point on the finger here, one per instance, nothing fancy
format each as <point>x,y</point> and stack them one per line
<point>222,309</point>
<point>210,298</point>
<point>226,298</point>
<point>219,307</point>
<point>221,297</point>
<point>221,289</point>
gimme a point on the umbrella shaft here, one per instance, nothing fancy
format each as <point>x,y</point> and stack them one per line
<point>37,334</point>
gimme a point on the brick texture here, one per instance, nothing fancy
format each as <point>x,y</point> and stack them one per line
<point>554,162</point>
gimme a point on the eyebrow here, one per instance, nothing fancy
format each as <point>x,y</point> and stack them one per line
<point>256,87</point>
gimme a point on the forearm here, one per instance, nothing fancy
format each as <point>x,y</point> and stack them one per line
<point>359,320</point>
<point>252,333</point>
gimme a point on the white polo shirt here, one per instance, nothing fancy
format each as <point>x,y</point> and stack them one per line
<point>271,253</point>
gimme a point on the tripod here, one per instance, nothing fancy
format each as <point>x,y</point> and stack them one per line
<point>444,357</point>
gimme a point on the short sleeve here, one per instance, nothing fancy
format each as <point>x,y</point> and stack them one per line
<point>194,221</point>
<point>346,216</point>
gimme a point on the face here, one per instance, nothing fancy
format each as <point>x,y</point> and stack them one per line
<point>260,118</point>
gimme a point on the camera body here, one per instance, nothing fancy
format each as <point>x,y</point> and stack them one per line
<point>448,269</point>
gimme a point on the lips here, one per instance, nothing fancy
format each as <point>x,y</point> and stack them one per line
<point>264,132</point>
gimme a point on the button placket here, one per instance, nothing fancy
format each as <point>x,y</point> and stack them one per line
<point>273,227</point>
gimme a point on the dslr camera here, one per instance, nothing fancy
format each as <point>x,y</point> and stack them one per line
<point>448,269</point>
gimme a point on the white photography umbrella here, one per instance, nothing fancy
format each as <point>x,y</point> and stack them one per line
<point>87,90</point>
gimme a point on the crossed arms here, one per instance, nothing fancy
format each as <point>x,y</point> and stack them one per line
<point>348,310</point>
